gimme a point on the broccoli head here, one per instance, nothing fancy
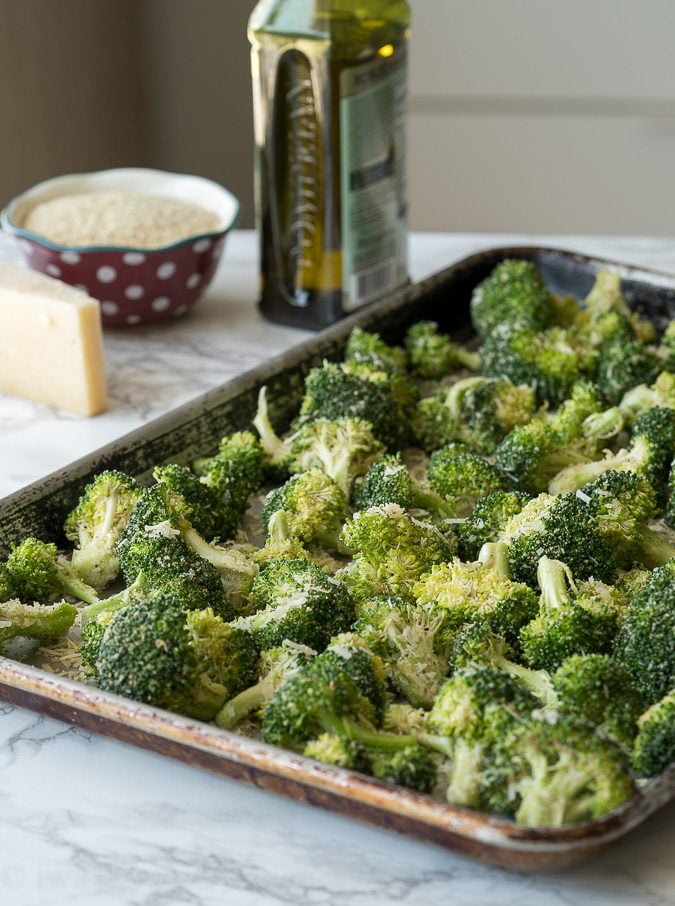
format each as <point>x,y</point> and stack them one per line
<point>391,550</point>
<point>96,523</point>
<point>35,621</point>
<point>548,773</point>
<point>295,599</point>
<point>36,571</point>
<point>486,521</point>
<point>366,344</point>
<point>654,747</point>
<point>390,481</point>
<point>572,619</point>
<point>463,478</point>
<point>314,506</point>
<point>414,642</point>
<point>645,642</point>
<point>513,293</point>
<point>433,355</point>
<point>188,662</point>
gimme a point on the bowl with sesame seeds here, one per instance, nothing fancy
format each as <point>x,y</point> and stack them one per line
<point>145,243</point>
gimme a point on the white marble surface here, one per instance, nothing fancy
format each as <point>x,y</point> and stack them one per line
<point>89,820</point>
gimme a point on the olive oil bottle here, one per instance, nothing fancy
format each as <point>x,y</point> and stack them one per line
<point>329,102</point>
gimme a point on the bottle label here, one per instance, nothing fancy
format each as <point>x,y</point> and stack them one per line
<point>373,98</point>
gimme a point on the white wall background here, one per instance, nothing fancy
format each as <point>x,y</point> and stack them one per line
<point>525,115</point>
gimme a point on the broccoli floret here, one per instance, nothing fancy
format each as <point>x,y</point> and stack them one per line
<point>638,399</point>
<point>572,619</point>
<point>367,344</point>
<point>188,662</point>
<point>432,354</point>
<point>161,514</point>
<point>341,691</point>
<point>314,505</point>
<point>622,364</point>
<point>472,710</point>
<point>532,454</point>
<point>487,520</point>
<point>390,481</point>
<point>341,390</point>
<point>339,751</point>
<point>235,472</point>
<point>413,641</point>
<point>37,572</point>
<point>606,297</point>
<point>549,362</point>
<point>275,667</point>
<point>557,527</point>
<point>171,565</point>
<point>463,478</point>
<point>513,293</point>
<point>597,689</point>
<point>479,647</point>
<point>645,642</point>
<point>549,773</point>
<point>202,505</point>
<point>654,747</point>
<point>391,550</point>
<point>649,453</point>
<point>413,767</point>
<point>96,523</point>
<point>92,636</point>
<point>35,621</point>
<point>478,411</point>
<point>343,448</point>
<point>622,504</point>
<point>296,600</point>
<point>481,590</point>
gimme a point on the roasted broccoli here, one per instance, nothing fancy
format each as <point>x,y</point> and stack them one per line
<point>295,599</point>
<point>463,478</point>
<point>481,590</point>
<point>572,619</point>
<point>366,344</point>
<point>478,411</point>
<point>390,551</point>
<point>557,527</point>
<point>432,354</point>
<point>413,640</point>
<point>188,662</point>
<point>513,293</point>
<point>472,710</point>
<point>549,361</point>
<point>35,621</point>
<point>342,390</point>
<point>597,689</point>
<point>654,746</point>
<point>487,520</point>
<point>547,773</point>
<point>96,523</point>
<point>645,642</point>
<point>36,571</point>
<point>315,507</point>
<point>390,481</point>
<point>275,667</point>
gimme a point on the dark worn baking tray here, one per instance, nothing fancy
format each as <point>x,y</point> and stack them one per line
<point>195,428</point>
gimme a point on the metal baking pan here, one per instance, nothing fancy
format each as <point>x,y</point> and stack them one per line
<point>195,428</point>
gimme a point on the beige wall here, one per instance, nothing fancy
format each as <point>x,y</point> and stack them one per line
<point>88,84</point>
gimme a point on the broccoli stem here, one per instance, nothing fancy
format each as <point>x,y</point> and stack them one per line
<point>495,555</point>
<point>465,776</point>
<point>275,448</point>
<point>553,577</point>
<point>369,736</point>
<point>655,550</point>
<point>243,704</point>
<point>74,586</point>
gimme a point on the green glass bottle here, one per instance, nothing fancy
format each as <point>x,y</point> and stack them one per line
<point>329,102</point>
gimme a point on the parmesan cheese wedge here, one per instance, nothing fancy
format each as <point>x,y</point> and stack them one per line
<point>51,342</point>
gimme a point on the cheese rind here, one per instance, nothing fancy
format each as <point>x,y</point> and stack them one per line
<point>51,342</point>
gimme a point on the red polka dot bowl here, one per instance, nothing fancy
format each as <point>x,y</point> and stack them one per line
<point>135,285</point>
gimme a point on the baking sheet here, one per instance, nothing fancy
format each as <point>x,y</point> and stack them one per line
<point>195,429</point>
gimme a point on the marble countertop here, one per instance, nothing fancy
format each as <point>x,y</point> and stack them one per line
<point>87,819</point>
